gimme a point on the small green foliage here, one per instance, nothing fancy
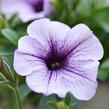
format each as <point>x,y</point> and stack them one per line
<point>11,35</point>
<point>5,69</point>
<point>24,91</point>
<point>3,22</point>
<point>52,104</point>
<point>61,105</point>
<point>104,71</point>
<point>71,102</point>
<point>45,100</point>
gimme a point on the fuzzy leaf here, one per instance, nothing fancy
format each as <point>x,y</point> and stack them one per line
<point>11,35</point>
<point>24,91</point>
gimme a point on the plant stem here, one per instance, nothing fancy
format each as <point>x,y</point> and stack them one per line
<point>18,98</point>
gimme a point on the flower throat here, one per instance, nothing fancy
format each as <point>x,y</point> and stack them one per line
<point>38,6</point>
<point>54,61</point>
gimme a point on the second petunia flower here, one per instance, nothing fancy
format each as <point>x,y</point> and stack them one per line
<point>57,59</point>
<point>26,10</point>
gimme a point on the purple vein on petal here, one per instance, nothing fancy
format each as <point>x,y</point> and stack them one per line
<point>79,74</point>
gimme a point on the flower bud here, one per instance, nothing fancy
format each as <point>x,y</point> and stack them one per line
<point>5,69</point>
<point>61,105</point>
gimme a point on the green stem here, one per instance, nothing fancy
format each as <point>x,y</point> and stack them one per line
<point>18,98</point>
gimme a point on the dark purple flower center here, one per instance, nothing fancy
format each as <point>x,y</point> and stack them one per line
<point>38,6</point>
<point>55,59</point>
<point>54,63</point>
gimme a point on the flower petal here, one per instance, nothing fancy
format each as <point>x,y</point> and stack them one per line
<point>30,15</point>
<point>81,78</point>
<point>25,64</point>
<point>23,9</point>
<point>29,56</point>
<point>85,89</point>
<point>9,7</point>
<point>46,83</point>
<point>48,7</point>
<point>84,44</point>
<point>31,46</point>
<point>87,69</point>
<point>62,81</point>
<point>44,30</point>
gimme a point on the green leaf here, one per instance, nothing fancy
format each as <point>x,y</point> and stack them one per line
<point>6,93</point>
<point>6,70</point>
<point>45,99</point>
<point>2,53</point>
<point>104,24</point>
<point>2,77</point>
<point>73,106</point>
<point>11,35</point>
<point>71,102</point>
<point>24,91</point>
<point>105,64</point>
<point>14,21</point>
<point>3,80</point>
<point>52,104</point>
<point>12,103</point>
<point>86,7</point>
<point>3,22</point>
<point>68,98</point>
<point>104,71</point>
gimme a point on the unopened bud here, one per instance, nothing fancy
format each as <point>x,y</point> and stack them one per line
<point>5,69</point>
<point>61,105</point>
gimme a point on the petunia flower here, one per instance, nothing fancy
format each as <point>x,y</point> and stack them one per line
<point>57,59</point>
<point>26,9</point>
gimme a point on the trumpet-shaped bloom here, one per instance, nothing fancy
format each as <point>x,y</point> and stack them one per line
<point>58,59</point>
<point>26,9</point>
